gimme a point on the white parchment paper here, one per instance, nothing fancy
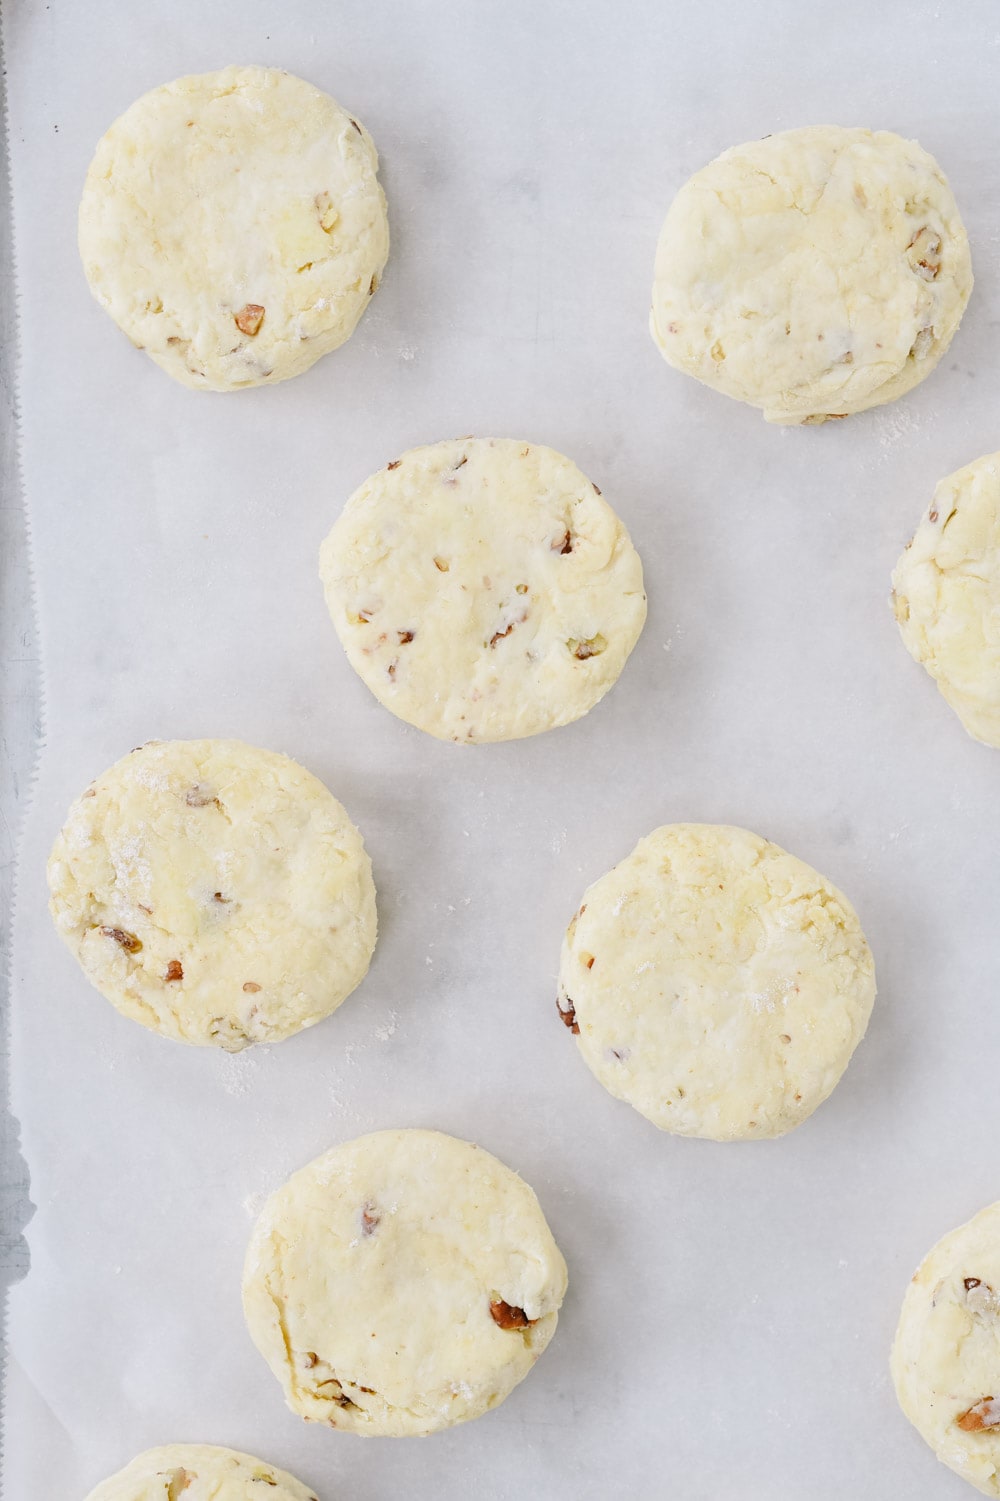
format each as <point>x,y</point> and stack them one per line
<point>730,1307</point>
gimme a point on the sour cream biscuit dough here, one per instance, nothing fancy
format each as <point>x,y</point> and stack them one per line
<point>716,983</point>
<point>214,892</point>
<point>946,595</point>
<point>946,1355</point>
<point>401,1283</point>
<point>199,1472</point>
<point>233,226</point>
<point>813,273</point>
<point>483,589</point>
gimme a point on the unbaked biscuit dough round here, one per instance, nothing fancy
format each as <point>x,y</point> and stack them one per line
<point>401,1283</point>
<point>946,595</point>
<point>946,1355</point>
<point>813,273</point>
<point>716,983</point>
<point>214,892</point>
<point>200,1472</point>
<point>483,589</point>
<point>233,226</point>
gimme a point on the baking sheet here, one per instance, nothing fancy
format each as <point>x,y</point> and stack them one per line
<point>730,1307</point>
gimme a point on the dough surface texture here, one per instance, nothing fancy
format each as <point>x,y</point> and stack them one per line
<point>214,892</point>
<point>199,1472</point>
<point>946,1355</point>
<point>401,1283</point>
<point>946,595</point>
<point>233,226</point>
<point>483,589</point>
<point>813,273</point>
<point>716,983</point>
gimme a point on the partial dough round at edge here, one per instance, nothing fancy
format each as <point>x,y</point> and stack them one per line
<point>946,1354</point>
<point>200,1472</point>
<point>813,274</point>
<point>946,595</point>
<point>233,226</point>
<point>215,892</point>
<point>483,589</point>
<point>716,983</point>
<point>401,1283</point>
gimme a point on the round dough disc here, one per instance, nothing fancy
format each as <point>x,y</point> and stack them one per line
<point>214,892</point>
<point>233,226</point>
<point>483,589</point>
<point>716,983</point>
<point>946,595</point>
<point>946,1355</point>
<point>401,1283</point>
<point>812,274</point>
<point>199,1472</point>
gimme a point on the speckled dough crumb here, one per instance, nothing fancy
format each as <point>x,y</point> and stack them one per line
<point>483,589</point>
<point>946,1355</point>
<point>401,1283</point>
<point>233,226</point>
<point>813,273</point>
<point>716,983</point>
<point>214,892</point>
<point>946,595</point>
<point>199,1472</point>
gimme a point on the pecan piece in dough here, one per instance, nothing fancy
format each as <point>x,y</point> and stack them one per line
<point>328,215</point>
<point>982,1414</point>
<point>249,319</point>
<point>924,253</point>
<point>175,971</point>
<point>200,797</point>
<point>128,941</point>
<point>591,648</point>
<point>508,1316</point>
<point>568,1016</point>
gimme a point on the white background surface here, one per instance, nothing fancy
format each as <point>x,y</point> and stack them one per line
<point>730,1307</point>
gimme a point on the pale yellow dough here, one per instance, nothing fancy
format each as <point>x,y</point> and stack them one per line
<point>200,1472</point>
<point>716,983</point>
<point>946,595</point>
<point>233,226</point>
<point>214,892</point>
<point>379,1280</point>
<point>813,273</point>
<point>483,589</point>
<point>946,1355</point>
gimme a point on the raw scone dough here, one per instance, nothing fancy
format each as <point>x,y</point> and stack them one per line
<point>716,983</point>
<point>483,589</point>
<point>214,892</point>
<point>946,595</point>
<point>812,274</point>
<point>946,1355</point>
<point>401,1283</point>
<point>233,226</point>
<point>200,1472</point>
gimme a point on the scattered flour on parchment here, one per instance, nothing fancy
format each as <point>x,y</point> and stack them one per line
<point>237,1072</point>
<point>386,1029</point>
<point>893,423</point>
